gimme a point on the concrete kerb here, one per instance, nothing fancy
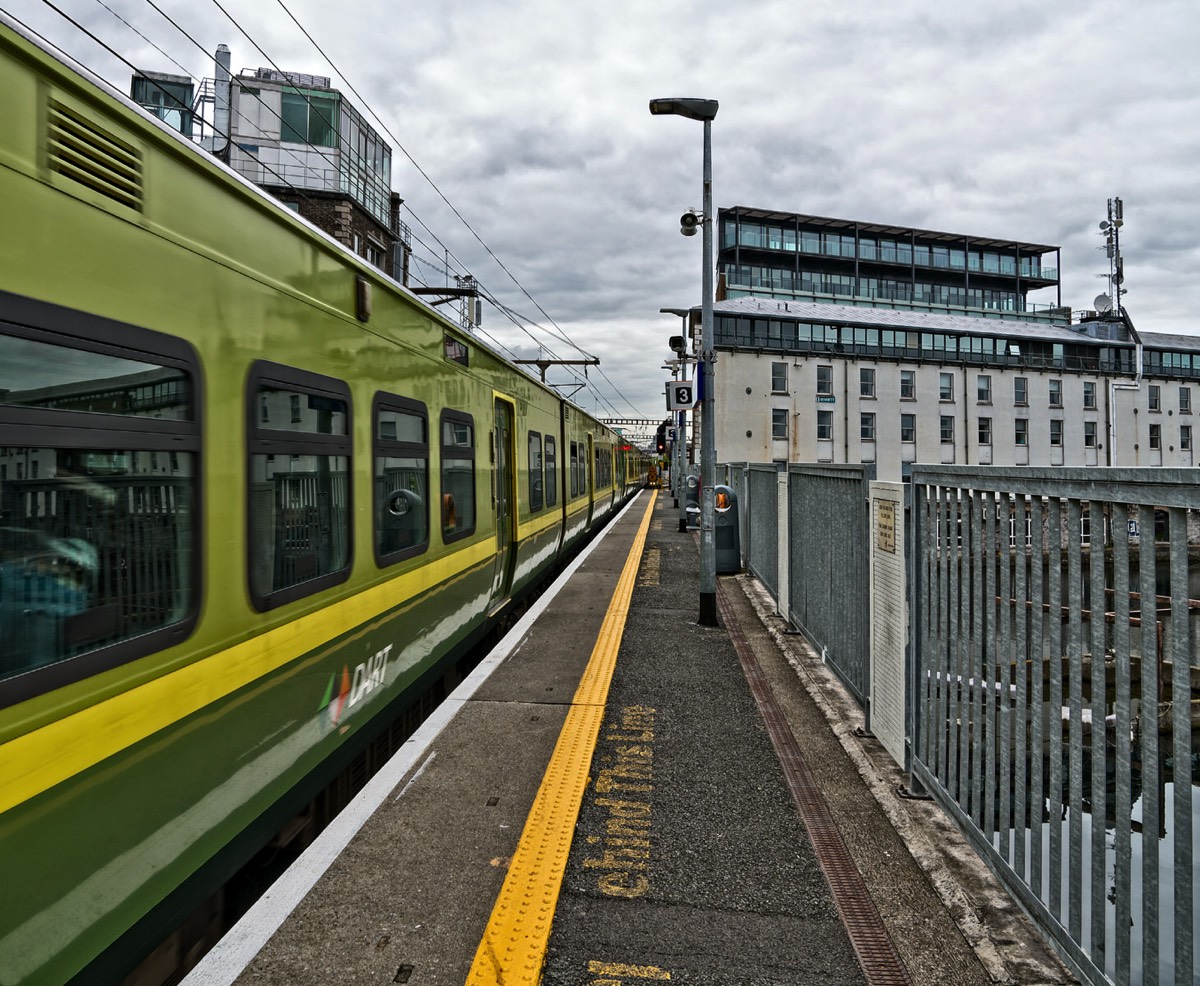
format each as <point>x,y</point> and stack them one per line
<point>991,921</point>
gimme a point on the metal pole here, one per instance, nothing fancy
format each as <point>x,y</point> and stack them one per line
<point>708,465</point>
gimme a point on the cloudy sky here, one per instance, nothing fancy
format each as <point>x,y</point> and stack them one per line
<point>1016,119</point>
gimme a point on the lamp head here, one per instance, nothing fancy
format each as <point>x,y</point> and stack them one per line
<point>693,109</point>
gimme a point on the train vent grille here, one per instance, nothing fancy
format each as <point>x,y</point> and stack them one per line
<point>93,157</point>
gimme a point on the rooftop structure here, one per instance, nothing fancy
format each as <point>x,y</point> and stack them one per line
<point>791,255</point>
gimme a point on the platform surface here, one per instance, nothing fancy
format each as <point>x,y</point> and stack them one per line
<point>688,860</point>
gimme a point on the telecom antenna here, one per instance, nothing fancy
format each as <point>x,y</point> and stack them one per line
<point>1111,228</point>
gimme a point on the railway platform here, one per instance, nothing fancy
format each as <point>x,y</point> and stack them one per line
<point>617,795</point>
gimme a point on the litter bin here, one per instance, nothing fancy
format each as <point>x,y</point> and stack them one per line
<point>729,547</point>
<point>690,519</point>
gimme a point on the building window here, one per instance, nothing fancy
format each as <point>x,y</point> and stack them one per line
<point>947,429</point>
<point>1089,434</point>
<point>985,389</point>
<point>1056,432</point>
<point>824,426</point>
<point>1020,391</point>
<point>779,378</point>
<point>867,427</point>
<point>1155,397</point>
<point>825,380</point>
<point>1185,400</point>
<point>908,428</point>
<point>866,382</point>
<point>1089,395</point>
<point>1056,393</point>
<point>985,431</point>
<point>946,390</point>
<point>308,118</point>
<point>1021,432</point>
<point>779,423</point>
<point>1156,437</point>
<point>908,385</point>
<point>1185,438</point>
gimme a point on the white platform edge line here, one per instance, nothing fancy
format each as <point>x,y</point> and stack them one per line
<point>237,949</point>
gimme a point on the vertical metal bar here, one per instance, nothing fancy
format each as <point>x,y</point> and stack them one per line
<point>1054,660</point>
<point>956,735</point>
<point>933,650</point>
<point>1099,707</point>
<point>1004,697</point>
<point>927,554</point>
<point>989,682</point>
<point>1037,672</point>
<point>1181,730</point>
<point>1124,755</point>
<point>978,631</point>
<point>1075,676</point>
<point>1148,734</point>
<point>945,662</point>
<point>1021,715</point>
<point>924,542</point>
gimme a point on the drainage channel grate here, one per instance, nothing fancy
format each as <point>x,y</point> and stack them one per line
<point>868,936</point>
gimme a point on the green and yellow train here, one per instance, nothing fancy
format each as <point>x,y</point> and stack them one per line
<point>256,500</point>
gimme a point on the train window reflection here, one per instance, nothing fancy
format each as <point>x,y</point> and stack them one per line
<point>94,545</point>
<point>401,478</point>
<point>300,486</point>
<point>535,471</point>
<point>40,374</point>
<point>458,475</point>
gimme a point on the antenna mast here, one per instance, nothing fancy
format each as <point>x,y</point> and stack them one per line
<point>1111,228</point>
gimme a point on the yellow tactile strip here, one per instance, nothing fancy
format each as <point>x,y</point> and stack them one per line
<point>513,948</point>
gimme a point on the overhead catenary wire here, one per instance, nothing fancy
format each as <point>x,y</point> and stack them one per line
<point>516,318</point>
<point>560,333</point>
<point>423,173</point>
<point>121,58</point>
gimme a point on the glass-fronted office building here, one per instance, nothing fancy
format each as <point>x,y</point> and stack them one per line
<point>848,341</point>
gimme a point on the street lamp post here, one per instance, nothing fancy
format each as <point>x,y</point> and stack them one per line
<point>704,110</point>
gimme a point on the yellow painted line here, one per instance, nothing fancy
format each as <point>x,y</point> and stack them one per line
<point>551,519</point>
<point>36,761</point>
<point>513,948</point>
<point>627,971</point>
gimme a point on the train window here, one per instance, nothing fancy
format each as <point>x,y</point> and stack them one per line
<point>602,468</point>
<point>551,473</point>
<point>455,350</point>
<point>535,471</point>
<point>299,495</point>
<point>458,475</point>
<point>401,478</point>
<point>574,469</point>
<point>99,483</point>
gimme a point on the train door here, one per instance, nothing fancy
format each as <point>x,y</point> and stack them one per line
<point>589,473</point>
<point>504,499</point>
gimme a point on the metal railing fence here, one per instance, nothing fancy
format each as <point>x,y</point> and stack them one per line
<point>1053,688</point>
<point>762,542</point>
<point>828,531</point>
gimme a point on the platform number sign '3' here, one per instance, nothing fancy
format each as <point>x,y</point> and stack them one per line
<point>681,395</point>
